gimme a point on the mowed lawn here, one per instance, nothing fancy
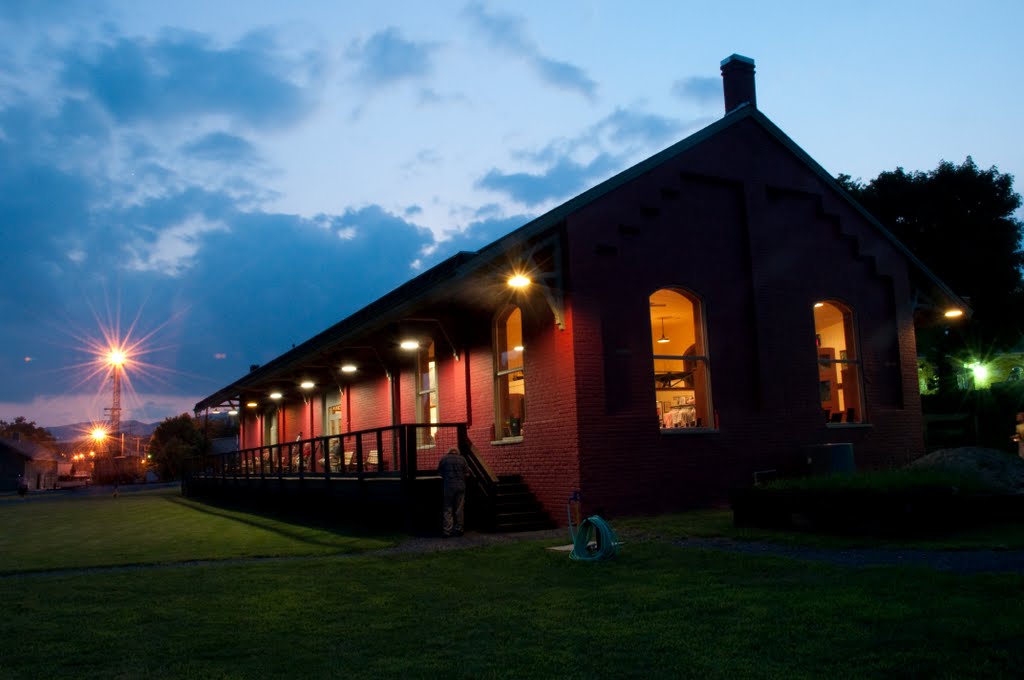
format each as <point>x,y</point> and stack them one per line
<point>514,610</point>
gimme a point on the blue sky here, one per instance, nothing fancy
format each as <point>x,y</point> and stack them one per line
<point>219,180</point>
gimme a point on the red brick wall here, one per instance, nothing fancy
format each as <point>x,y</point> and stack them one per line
<point>369,403</point>
<point>249,424</point>
<point>743,225</point>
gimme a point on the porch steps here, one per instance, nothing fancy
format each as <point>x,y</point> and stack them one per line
<point>516,508</point>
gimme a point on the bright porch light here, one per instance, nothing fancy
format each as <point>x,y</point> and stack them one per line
<point>519,281</point>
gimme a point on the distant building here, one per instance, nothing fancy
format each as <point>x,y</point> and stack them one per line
<point>24,460</point>
<point>698,318</point>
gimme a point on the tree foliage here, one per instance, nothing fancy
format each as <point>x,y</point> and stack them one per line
<point>175,440</point>
<point>959,220</point>
<point>26,430</point>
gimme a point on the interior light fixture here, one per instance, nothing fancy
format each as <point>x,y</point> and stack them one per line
<point>662,340</point>
<point>307,384</point>
<point>409,344</point>
<point>275,395</point>
<point>348,368</point>
<point>519,281</point>
<point>953,313</point>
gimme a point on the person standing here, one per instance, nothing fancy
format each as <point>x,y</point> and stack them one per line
<point>453,471</point>
<point>1019,435</point>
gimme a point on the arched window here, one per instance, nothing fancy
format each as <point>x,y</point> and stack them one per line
<point>838,363</point>
<point>682,382</point>
<point>509,374</point>
<point>426,393</point>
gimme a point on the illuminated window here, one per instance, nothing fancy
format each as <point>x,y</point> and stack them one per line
<point>682,383</point>
<point>426,393</point>
<point>332,412</point>
<point>838,363</point>
<point>509,374</point>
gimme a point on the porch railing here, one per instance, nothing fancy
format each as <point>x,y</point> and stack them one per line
<point>405,451</point>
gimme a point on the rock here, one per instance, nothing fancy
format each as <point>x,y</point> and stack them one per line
<point>1002,472</point>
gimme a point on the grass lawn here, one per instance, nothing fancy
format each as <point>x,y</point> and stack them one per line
<point>146,527</point>
<point>513,610</point>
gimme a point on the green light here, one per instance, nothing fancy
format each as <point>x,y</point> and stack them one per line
<point>980,372</point>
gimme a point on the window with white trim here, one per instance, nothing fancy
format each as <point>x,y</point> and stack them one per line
<point>839,367</point>
<point>682,383</point>
<point>426,394</point>
<point>509,374</point>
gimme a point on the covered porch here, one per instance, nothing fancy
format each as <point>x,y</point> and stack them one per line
<point>383,476</point>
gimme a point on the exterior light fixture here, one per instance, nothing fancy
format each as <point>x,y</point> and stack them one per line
<point>819,304</point>
<point>116,357</point>
<point>233,412</point>
<point>662,340</point>
<point>99,434</point>
<point>275,395</point>
<point>953,313</point>
<point>517,348</point>
<point>307,384</point>
<point>519,281</point>
<point>251,404</point>
<point>409,344</point>
<point>980,371</point>
<point>348,368</point>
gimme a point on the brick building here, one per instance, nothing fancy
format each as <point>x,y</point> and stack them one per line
<point>699,317</point>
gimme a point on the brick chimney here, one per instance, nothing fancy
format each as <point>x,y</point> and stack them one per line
<point>738,82</point>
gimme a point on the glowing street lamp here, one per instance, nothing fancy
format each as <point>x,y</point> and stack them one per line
<point>116,359</point>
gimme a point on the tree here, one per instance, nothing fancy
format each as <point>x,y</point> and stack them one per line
<point>26,430</point>
<point>175,440</point>
<point>959,220</point>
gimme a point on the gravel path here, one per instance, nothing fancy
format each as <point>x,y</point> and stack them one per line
<point>959,561</point>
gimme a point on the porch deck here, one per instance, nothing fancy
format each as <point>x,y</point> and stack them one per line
<point>384,475</point>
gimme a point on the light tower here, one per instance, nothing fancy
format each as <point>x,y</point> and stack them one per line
<point>116,359</point>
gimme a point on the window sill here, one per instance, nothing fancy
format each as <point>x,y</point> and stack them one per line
<point>673,431</point>
<point>506,441</point>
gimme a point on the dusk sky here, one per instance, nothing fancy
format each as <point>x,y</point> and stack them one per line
<point>219,180</point>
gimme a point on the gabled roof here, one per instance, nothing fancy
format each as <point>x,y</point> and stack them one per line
<point>393,305</point>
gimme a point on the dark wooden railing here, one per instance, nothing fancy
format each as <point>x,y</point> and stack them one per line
<point>405,451</point>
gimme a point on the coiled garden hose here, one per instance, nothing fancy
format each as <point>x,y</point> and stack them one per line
<point>592,530</point>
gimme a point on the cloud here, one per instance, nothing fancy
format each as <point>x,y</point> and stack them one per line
<point>388,58</point>
<point>628,127</point>
<point>571,165</point>
<point>220,147</point>
<point>171,250</point>
<point>565,178</point>
<point>508,32</point>
<point>183,73</point>
<point>479,233</point>
<point>565,76</point>
<point>697,88</point>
